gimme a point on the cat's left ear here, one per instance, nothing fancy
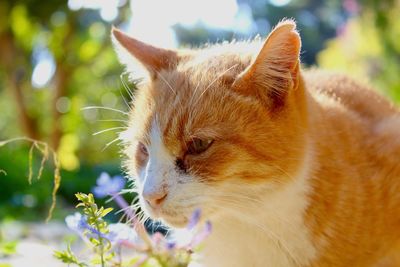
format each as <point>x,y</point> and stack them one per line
<point>275,70</point>
<point>154,59</point>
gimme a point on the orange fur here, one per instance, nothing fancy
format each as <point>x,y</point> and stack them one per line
<point>266,117</point>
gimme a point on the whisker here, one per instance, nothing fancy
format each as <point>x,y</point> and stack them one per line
<point>109,129</point>
<point>166,82</point>
<point>112,120</point>
<point>123,210</point>
<point>219,76</point>
<point>123,98</point>
<point>194,93</point>
<point>105,108</point>
<point>126,87</point>
<point>122,218</point>
<point>137,207</point>
<point>141,217</point>
<point>110,143</point>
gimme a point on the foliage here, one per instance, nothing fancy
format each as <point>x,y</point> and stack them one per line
<point>368,48</point>
<point>68,257</point>
<point>106,240</point>
<point>86,73</point>
<point>7,248</point>
<point>316,20</point>
<point>95,228</point>
<point>45,151</point>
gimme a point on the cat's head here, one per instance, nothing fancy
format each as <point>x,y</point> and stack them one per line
<point>214,128</point>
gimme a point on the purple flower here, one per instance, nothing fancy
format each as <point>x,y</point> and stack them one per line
<point>351,6</point>
<point>199,237</point>
<point>194,220</point>
<point>157,238</point>
<point>170,245</point>
<point>76,222</point>
<point>191,236</point>
<point>107,186</point>
<point>120,233</point>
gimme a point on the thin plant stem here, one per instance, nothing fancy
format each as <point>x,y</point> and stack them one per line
<point>132,217</point>
<point>45,153</point>
<point>101,244</point>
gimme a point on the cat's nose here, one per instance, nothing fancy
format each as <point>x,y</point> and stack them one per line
<point>155,199</point>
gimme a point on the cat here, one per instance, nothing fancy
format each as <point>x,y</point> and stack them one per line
<point>292,167</point>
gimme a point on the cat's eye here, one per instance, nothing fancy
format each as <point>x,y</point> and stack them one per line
<point>197,146</point>
<point>142,148</point>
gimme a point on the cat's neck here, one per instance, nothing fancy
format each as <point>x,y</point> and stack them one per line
<point>355,175</point>
<point>270,232</point>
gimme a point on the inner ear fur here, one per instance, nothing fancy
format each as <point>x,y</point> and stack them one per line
<point>154,59</point>
<point>275,69</point>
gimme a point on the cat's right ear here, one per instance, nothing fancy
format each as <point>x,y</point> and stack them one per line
<point>154,59</point>
<point>275,70</point>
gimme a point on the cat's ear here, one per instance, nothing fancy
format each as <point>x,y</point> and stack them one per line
<point>275,70</point>
<point>154,59</point>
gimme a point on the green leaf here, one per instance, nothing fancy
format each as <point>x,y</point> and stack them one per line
<point>8,248</point>
<point>67,256</point>
<point>106,211</point>
<point>94,241</point>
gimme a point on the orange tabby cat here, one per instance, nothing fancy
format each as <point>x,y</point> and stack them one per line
<point>293,168</point>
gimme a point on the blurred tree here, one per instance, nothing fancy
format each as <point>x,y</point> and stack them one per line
<point>368,45</point>
<point>77,45</point>
<point>72,40</point>
<point>42,40</point>
<point>317,21</point>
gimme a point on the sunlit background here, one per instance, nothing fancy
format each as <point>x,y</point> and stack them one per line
<point>56,58</point>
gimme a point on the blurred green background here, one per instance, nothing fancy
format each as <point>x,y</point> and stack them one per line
<point>56,58</point>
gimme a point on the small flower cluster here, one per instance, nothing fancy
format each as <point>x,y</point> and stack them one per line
<point>107,240</point>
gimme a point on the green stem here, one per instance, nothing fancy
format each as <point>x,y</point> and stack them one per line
<point>101,244</point>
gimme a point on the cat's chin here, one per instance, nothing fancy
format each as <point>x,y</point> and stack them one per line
<point>175,222</point>
<point>170,219</point>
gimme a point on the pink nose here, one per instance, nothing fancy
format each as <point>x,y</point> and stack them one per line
<point>155,199</point>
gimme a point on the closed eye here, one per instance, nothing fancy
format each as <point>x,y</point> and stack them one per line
<point>143,149</point>
<point>198,146</point>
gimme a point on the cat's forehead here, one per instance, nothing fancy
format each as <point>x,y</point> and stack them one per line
<point>212,61</point>
<point>194,99</point>
<point>204,70</point>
